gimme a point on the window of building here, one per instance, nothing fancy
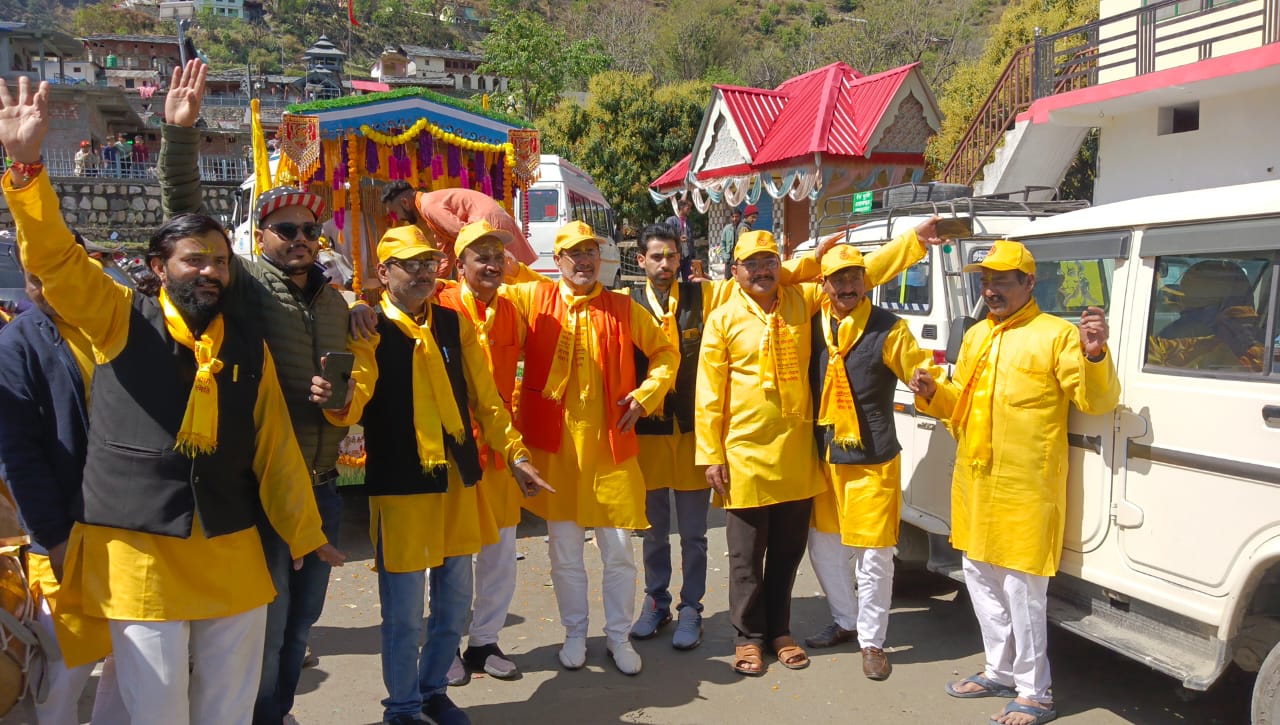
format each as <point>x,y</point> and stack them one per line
<point>128,83</point>
<point>1178,119</point>
<point>1209,314</point>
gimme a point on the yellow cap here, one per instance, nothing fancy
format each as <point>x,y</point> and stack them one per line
<point>405,242</point>
<point>754,243</point>
<point>573,234</point>
<point>1005,255</point>
<point>841,256</point>
<point>477,231</point>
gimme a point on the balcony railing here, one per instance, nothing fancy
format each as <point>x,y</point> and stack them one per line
<point>222,169</point>
<point>1160,35</point>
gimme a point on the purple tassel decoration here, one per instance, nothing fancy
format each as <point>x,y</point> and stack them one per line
<point>499,178</point>
<point>370,157</point>
<point>339,219</point>
<point>454,160</point>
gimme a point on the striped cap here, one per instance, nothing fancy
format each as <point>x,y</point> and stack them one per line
<point>278,198</point>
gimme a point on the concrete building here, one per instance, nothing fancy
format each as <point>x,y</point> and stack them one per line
<point>436,67</point>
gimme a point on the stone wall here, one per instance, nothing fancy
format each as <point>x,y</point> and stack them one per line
<point>130,208</point>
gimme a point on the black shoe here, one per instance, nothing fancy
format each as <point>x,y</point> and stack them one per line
<point>441,710</point>
<point>489,658</point>
<point>404,719</point>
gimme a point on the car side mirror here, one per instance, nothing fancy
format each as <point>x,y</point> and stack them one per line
<point>955,336</point>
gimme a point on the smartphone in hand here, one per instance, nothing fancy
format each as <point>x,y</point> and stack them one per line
<point>337,370</point>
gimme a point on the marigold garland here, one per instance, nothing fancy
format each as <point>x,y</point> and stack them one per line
<point>354,148</point>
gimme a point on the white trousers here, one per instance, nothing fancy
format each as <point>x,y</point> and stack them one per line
<point>569,575</point>
<point>191,672</point>
<point>868,612</point>
<point>495,588</point>
<point>1011,610</point>
<point>61,706</point>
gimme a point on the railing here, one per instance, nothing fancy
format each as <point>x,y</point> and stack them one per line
<point>61,162</point>
<point>1134,43</point>
<point>1010,96</point>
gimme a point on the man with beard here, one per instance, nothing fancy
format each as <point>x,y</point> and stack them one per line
<point>441,215</point>
<point>1018,375</point>
<point>188,435</point>
<point>46,366</point>
<point>580,398</point>
<point>501,332</point>
<point>858,352</point>
<point>302,317</point>
<point>754,432</point>
<point>418,380</point>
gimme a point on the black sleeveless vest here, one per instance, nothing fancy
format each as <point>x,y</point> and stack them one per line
<point>678,405</point>
<point>133,478</point>
<point>872,383</point>
<point>392,465</point>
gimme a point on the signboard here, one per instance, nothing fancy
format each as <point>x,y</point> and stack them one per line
<point>862,202</point>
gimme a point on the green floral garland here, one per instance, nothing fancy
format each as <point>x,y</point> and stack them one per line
<point>331,104</point>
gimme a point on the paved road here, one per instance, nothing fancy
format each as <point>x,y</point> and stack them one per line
<point>932,638</point>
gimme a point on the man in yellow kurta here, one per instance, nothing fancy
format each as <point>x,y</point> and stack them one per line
<point>580,398</point>
<point>418,382</point>
<point>754,432</point>
<point>1018,374</point>
<point>188,435</point>
<point>859,353</point>
<point>667,439</point>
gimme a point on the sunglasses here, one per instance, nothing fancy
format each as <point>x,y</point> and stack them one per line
<point>289,230</point>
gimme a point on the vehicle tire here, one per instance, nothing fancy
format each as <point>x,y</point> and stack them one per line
<point>1266,690</point>
<point>932,191</point>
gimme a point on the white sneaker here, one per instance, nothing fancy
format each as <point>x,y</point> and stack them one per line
<point>573,655</point>
<point>625,657</point>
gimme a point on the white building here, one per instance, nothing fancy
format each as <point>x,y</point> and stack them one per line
<point>1184,95</point>
<point>437,66</point>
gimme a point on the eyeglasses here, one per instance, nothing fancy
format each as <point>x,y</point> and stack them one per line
<point>289,230</point>
<point>414,266</point>
<point>758,265</point>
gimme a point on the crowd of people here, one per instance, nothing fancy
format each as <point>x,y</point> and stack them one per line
<point>155,444</point>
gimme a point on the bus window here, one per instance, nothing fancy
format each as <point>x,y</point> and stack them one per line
<point>544,205</point>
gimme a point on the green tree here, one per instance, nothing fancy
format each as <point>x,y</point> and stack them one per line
<point>963,94</point>
<point>694,36</point>
<point>538,59</point>
<point>628,134</point>
<point>104,18</point>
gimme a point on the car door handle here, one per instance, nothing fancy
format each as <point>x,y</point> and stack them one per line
<point>1271,415</point>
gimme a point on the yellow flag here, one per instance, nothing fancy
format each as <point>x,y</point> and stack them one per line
<point>261,157</point>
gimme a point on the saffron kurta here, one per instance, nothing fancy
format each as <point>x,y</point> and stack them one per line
<point>419,531</point>
<point>863,502</point>
<point>1014,514</point>
<point>592,489</point>
<point>130,575</point>
<point>739,423</point>
<point>499,493</point>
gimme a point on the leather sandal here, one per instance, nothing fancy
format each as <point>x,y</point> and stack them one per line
<point>748,659</point>
<point>789,653</point>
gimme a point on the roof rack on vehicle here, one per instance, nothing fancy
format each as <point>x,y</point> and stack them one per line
<point>945,200</point>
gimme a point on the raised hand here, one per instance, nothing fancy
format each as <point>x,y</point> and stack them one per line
<point>24,121</point>
<point>825,245</point>
<point>1093,332</point>
<point>186,93</point>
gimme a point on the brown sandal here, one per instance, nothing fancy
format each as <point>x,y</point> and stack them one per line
<point>748,660</point>
<point>789,653</point>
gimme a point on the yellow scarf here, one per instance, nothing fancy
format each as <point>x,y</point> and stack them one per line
<point>577,317</point>
<point>484,324</point>
<point>779,361</point>
<point>199,432</point>
<point>434,408</point>
<point>839,408</point>
<point>974,408</point>
<point>667,318</point>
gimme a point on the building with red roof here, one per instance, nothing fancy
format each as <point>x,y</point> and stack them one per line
<point>827,132</point>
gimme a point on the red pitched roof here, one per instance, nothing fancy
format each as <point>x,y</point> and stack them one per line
<point>673,176</point>
<point>832,110</point>
<point>753,111</point>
